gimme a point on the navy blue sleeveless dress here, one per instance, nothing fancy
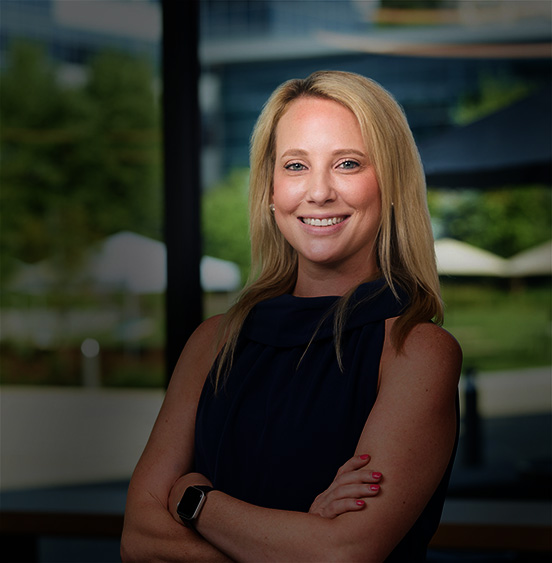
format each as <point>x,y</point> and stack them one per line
<point>287,417</point>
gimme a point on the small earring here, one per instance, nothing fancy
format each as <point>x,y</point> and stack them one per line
<point>272,208</point>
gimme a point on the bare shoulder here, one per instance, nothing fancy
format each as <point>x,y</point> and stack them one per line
<point>206,333</point>
<point>199,352</point>
<point>432,342</point>
<point>429,352</point>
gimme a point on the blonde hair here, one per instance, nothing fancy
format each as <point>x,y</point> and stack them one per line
<point>404,245</point>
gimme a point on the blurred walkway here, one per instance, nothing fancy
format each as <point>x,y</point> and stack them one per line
<point>510,393</point>
<point>511,454</point>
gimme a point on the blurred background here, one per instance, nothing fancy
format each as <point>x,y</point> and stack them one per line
<point>83,234</point>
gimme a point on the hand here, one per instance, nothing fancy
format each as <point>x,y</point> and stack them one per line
<point>180,485</point>
<point>352,483</point>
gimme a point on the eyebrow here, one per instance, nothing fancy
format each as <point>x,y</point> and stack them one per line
<point>339,152</point>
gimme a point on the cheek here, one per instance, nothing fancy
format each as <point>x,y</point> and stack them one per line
<point>286,195</point>
<point>364,195</point>
<point>372,192</point>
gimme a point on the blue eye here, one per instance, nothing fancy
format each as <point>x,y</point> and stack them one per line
<point>295,167</point>
<point>349,164</point>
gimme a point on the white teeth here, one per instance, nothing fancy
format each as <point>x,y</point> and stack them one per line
<point>322,222</point>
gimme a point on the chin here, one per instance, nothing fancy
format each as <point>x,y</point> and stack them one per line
<point>328,261</point>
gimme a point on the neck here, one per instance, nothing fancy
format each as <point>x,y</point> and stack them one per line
<point>314,280</point>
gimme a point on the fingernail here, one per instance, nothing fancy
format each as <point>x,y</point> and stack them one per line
<point>364,456</point>
<point>374,487</point>
<point>360,502</point>
<point>376,475</point>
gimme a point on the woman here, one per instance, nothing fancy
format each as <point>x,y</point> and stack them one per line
<point>330,377</point>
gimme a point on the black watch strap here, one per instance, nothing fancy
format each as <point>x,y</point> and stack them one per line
<point>204,488</point>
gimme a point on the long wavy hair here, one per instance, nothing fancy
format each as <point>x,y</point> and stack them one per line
<point>404,245</point>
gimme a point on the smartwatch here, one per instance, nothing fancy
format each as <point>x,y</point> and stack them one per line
<point>191,503</point>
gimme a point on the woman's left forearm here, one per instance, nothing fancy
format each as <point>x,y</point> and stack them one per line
<point>245,532</point>
<point>250,533</point>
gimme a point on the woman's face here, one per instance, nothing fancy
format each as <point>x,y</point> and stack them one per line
<point>326,195</point>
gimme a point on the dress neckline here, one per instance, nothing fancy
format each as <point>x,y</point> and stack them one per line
<point>289,320</point>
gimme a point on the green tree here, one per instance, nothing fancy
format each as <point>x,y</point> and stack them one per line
<point>77,163</point>
<point>504,221</point>
<point>225,221</point>
<point>43,129</point>
<point>124,177</point>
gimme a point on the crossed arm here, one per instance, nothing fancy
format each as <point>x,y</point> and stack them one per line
<point>409,435</point>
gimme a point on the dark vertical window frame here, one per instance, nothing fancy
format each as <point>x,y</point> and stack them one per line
<point>181,137</point>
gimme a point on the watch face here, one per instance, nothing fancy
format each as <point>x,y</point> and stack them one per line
<point>190,503</point>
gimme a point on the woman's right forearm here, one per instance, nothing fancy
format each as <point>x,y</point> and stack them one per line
<point>151,534</point>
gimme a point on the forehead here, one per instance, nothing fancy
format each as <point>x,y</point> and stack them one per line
<point>309,106</point>
<point>310,118</point>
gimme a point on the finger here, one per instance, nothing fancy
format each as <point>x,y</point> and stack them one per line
<point>355,491</point>
<point>354,463</point>
<point>341,507</point>
<point>358,476</point>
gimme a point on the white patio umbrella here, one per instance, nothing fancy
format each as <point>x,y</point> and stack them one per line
<point>219,275</point>
<point>137,264</point>
<point>458,258</point>
<point>536,261</point>
<point>129,262</point>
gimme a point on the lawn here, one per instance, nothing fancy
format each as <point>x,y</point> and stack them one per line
<point>500,327</point>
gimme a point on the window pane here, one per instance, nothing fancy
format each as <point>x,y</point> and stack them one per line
<point>83,260</point>
<point>83,263</point>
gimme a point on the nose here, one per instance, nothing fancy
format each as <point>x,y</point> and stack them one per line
<point>320,188</point>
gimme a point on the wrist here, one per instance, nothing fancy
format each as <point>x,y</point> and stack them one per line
<point>179,488</point>
<point>191,504</point>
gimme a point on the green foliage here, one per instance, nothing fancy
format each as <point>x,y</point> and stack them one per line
<point>225,220</point>
<point>503,221</point>
<point>125,144</point>
<point>77,163</point>
<point>41,126</point>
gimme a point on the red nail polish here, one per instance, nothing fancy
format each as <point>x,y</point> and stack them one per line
<point>360,502</point>
<point>364,456</point>
<point>376,475</point>
<point>374,487</point>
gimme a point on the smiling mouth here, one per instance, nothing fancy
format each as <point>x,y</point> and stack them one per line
<point>327,222</point>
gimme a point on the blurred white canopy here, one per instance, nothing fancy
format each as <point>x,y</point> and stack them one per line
<point>219,275</point>
<point>129,262</point>
<point>461,259</point>
<point>139,265</point>
<point>536,261</point>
